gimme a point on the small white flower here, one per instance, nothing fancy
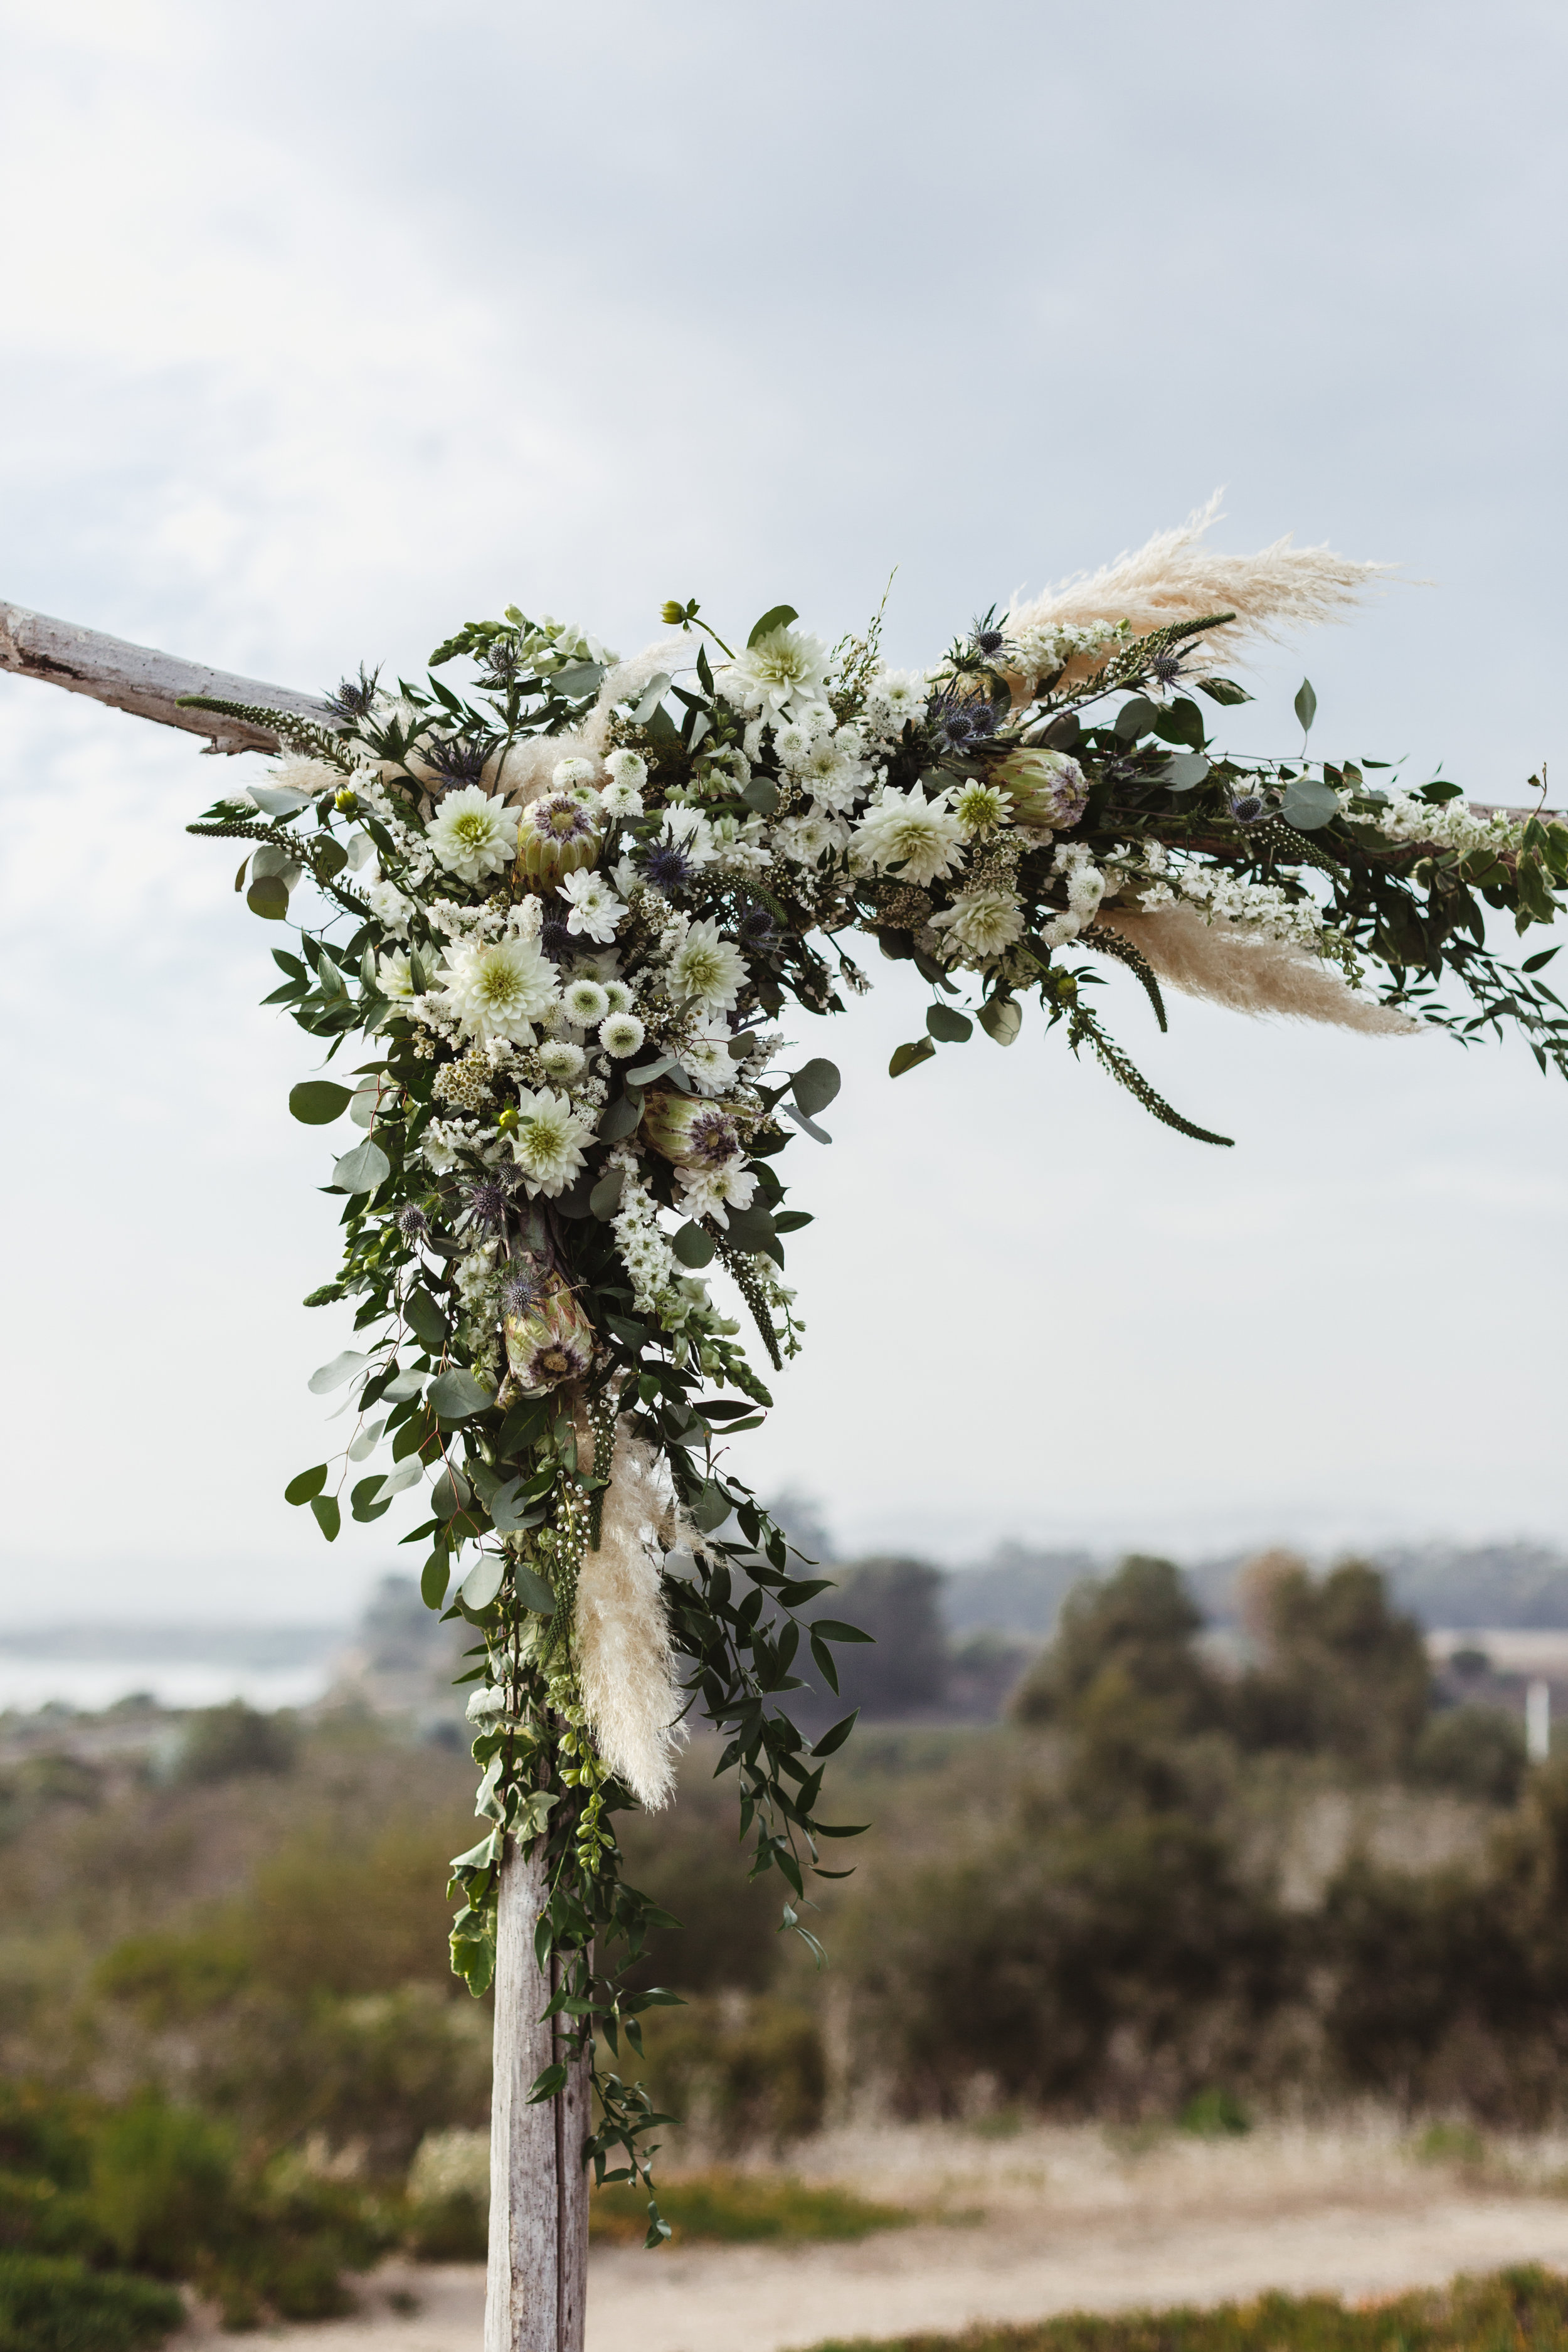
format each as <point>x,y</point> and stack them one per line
<point>710,971</point>
<point>709,1064</point>
<point>575,779</point>
<point>984,921</point>
<point>923,838</point>
<point>621,1036</point>
<point>548,1142</point>
<point>596,910</point>
<point>979,808</point>
<point>391,908</point>
<point>499,990</point>
<point>621,999</point>
<point>793,743</point>
<point>804,838</point>
<point>897,695</point>
<point>473,834</point>
<point>784,673</point>
<point>561,1060</point>
<point>705,1191</point>
<point>585,1004</point>
<point>622,796</point>
<point>393,976</point>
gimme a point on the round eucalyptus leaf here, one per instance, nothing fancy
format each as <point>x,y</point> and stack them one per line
<point>363,1169</point>
<point>268,898</point>
<point>692,1246</point>
<point>483,1580</point>
<point>319,1101</point>
<point>457,1394</point>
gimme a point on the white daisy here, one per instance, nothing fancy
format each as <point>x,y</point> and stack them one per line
<point>785,672</point>
<point>923,838</point>
<point>548,1142</point>
<point>499,990</point>
<point>561,1060</point>
<point>622,1036</point>
<point>585,1003</point>
<point>596,910</point>
<point>472,834</point>
<point>979,808</point>
<point>708,971</point>
<point>704,1191</point>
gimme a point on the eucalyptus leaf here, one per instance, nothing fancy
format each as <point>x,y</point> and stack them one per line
<point>653,695</point>
<point>949,1025</point>
<point>533,1591</point>
<point>342,1368</point>
<point>278,800</point>
<point>362,1103</point>
<point>778,617</point>
<point>620,1117</point>
<point>815,1087</point>
<point>397,1482</point>
<point>806,1125</point>
<point>1309,804</point>
<point>1135,717</point>
<point>307,1486</point>
<point>692,1246</point>
<point>578,678</point>
<point>761,794</point>
<point>1306,704</point>
<point>363,1169</point>
<point>317,1101</point>
<point>606,1197</point>
<point>457,1394</point>
<point>1001,1017</point>
<point>920,1049</point>
<point>328,1516</point>
<point>424,1319</point>
<point>268,898</point>
<point>484,1580</point>
<point>1183,770</point>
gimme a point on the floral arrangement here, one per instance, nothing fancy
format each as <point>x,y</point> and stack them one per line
<point>566,913</point>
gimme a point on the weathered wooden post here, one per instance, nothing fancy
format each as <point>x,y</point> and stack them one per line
<point>537,2290</point>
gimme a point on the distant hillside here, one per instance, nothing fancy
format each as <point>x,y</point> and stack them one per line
<point>1014,1591</point>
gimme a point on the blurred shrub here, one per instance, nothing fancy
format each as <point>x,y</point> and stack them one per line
<point>740,2209</point>
<point>227,1743</point>
<point>162,2187</point>
<point>1214,2115</point>
<point>1477,1751</point>
<point>903,1669</point>
<point>62,2306</point>
<point>739,2071</point>
<point>1135,1631</point>
<point>687,1860</point>
<point>1343,1672</point>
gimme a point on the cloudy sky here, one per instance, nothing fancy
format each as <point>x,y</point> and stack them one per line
<point>326,326</point>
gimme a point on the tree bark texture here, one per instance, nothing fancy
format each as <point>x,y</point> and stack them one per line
<point>537,2288</point>
<point>142,681</point>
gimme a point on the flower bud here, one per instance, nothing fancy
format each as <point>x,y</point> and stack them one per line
<point>347,801</point>
<point>690,1133</point>
<point>671,614</point>
<point>555,837</point>
<point>549,1338</point>
<point>1049,790</point>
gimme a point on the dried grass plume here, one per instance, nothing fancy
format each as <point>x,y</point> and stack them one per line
<point>1229,965</point>
<point>624,1663</point>
<point>1175,577</point>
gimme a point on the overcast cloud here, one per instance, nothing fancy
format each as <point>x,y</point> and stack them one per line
<point>326,326</point>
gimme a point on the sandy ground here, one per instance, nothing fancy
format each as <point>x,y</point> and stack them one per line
<point>1014,2230</point>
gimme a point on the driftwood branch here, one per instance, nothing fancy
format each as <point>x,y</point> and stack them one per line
<point>138,679</point>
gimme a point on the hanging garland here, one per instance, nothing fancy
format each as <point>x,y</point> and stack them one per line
<point>564,911</point>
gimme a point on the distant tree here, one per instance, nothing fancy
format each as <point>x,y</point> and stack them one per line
<point>1477,1751</point>
<point>225,1743</point>
<point>1134,1635</point>
<point>1342,1672</point>
<point>899,1603</point>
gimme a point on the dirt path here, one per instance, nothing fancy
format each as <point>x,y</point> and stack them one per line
<point>1070,2222</point>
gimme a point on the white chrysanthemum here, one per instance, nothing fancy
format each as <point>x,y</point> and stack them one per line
<point>548,1142</point>
<point>984,921</point>
<point>499,990</point>
<point>793,742</point>
<point>596,910</point>
<point>923,838</point>
<point>575,778</point>
<point>830,776</point>
<point>561,1060</point>
<point>897,695</point>
<point>709,1064</point>
<point>804,838</point>
<point>393,976</point>
<point>391,908</point>
<point>783,673</point>
<point>472,834</point>
<point>622,1036</point>
<point>707,970</point>
<point>979,808</point>
<point>706,1193</point>
<point>585,1003</point>
<point>626,768</point>
<point>621,998</point>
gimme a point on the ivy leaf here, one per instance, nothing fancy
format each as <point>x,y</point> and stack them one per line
<point>906,1057</point>
<point>317,1101</point>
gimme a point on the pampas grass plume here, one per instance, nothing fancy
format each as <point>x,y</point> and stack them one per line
<point>625,1669</point>
<point>1229,965</point>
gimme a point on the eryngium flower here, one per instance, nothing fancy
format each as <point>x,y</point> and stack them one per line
<point>456,759</point>
<point>961,720</point>
<point>1248,809</point>
<point>355,696</point>
<point>487,1203</point>
<point>499,990</point>
<point>549,1338</point>
<point>412,1222</point>
<point>473,834</point>
<point>689,1132</point>
<point>1049,790</point>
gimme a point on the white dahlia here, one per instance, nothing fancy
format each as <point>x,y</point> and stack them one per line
<point>498,990</point>
<point>548,1142</point>
<point>472,834</point>
<point>984,921</point>
<point>706,1191</point>
<point>922,838</point>
<point>783,675</point>
<point>707,971</point>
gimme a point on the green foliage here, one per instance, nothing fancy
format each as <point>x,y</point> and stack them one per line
<point>744,2209</point>
<point>224,1743</point>
<point>1513,2308</point>
<point>754,2071</point>
<point>1477,1751</point>
<point>1214,2114</point>
<point>62,2306</point>
<point>1343,1674</point>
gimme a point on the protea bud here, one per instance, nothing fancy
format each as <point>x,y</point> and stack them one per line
<point>549,1338</point>
<point>1049,790</point>
<point>555,837</point>
<point>693,1134</point>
